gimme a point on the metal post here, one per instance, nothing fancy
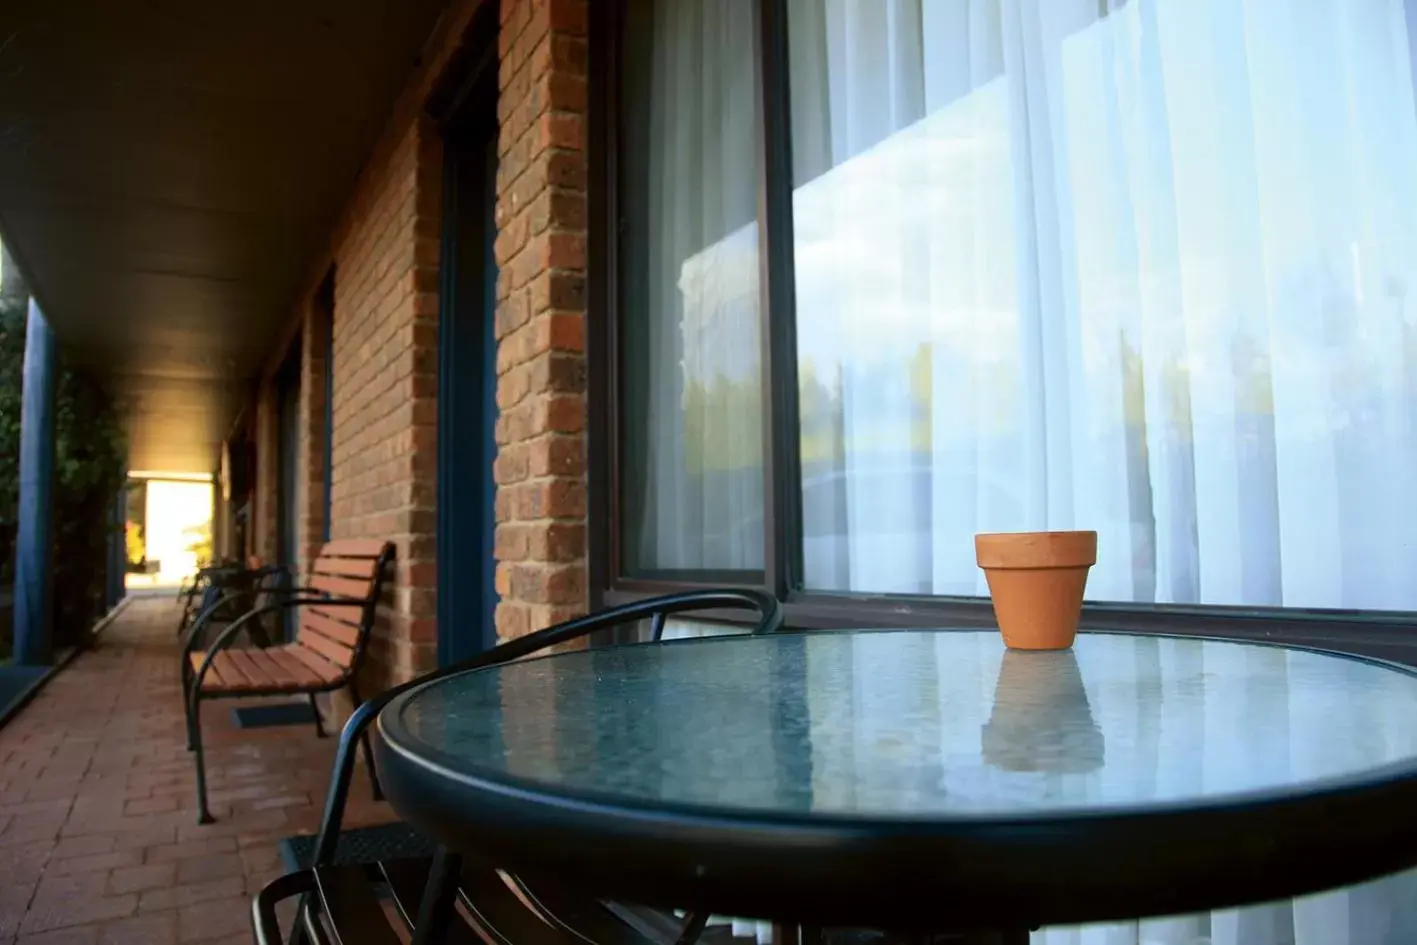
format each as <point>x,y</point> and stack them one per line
<point>34,553</point>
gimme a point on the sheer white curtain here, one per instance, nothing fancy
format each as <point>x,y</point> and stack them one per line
<point>692,285</point>
<point>1136,266</point>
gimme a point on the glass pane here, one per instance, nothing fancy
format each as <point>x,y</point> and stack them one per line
<point>1142,267</point>
<point>691,398</point>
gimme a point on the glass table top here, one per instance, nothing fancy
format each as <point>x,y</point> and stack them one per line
<point>918,723</point>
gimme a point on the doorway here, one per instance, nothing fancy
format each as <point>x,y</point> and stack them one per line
<point>466,109</point>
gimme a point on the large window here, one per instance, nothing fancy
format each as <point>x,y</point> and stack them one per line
<point>1143,266</point>
<point>693,477</point>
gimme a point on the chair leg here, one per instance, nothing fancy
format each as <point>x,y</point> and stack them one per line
<point>187,711</point>
<point>315,711</point>
<point>194,737</point>
<point>436,909</point>
<point>368,748</point>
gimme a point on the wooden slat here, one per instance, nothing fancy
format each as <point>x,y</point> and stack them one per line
<point>268,668</point>
<point>350,567</point>
<point>241,662</point>
<point>231,674</point>
<point>353,548</point>
<point>292,664</point>
<point>342,587</point>
<point>352,907</point>
<point>334,629</point>
<point>349,613</point>
<point>322,667</point>
<point>342,656</point>
<point>265,663</point>
<point>213,679</point>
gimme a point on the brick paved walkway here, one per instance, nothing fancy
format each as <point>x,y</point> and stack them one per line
<point>98,835</point>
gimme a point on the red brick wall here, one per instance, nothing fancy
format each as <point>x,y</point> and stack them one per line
<point>385,252</point>
<point>540,317</point>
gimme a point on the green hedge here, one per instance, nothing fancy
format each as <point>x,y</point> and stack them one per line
<point>89,469</point>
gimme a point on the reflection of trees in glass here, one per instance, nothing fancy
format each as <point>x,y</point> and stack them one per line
<point>721,429</point>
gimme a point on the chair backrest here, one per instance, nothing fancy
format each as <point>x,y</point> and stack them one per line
<point>656,610</point>
<point>333,637</point>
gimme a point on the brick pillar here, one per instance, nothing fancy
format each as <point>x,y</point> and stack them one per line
<point>264,504</point>
<point>314,374</point>
<point>540,318</point>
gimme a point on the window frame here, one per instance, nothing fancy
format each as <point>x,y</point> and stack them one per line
<point>1383,634</point>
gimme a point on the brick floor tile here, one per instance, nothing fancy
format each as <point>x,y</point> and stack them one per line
<point>143,839</point>
<point>259,824</point>
<point>57,806</point>
<point>278,801</point>
<point>151,805</point>
<point>99,861</point>
<point>214,920</point>
<point>14,903</point>
<point>23,861</point>
<point>46,914</point>
<point>120,823</point>
<point>83,846</point>
<point>78,935</point>
<point>200,869</point>
<point>73,886</point>
<point>191,894</point>
<point>156,928</point>
<point>190,848</point>
<point>261,859</point>
<point>25,829</point>
<point>142,878</point>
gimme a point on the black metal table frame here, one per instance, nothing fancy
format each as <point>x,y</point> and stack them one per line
<point>1354,829</point>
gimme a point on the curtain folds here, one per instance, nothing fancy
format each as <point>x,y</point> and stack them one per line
<point>1137,266</point>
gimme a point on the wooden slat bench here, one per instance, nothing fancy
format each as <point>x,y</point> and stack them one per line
<point>337,606</point>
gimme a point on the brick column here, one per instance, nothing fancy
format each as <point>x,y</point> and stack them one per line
<point>385,456</point>
<point>540,318</point>
<point>314,373</point>
<point>265,507</point>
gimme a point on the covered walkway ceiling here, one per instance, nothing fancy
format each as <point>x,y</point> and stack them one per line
<point>168,172</point>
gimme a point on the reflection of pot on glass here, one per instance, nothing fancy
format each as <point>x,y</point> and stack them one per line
<point>1041,719</point>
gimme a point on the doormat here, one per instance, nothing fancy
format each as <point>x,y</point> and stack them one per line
<point>264,716</point>
<point>361,845</point>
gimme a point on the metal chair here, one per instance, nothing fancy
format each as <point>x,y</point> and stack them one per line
<point>339,904</point>
<point>230,585</point>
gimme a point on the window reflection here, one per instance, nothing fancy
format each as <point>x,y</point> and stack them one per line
<point>1142,267</point>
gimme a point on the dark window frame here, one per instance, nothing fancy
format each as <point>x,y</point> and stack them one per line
<point>1385,634</point>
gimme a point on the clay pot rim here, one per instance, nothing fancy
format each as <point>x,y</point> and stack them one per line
<point>1035,551</point>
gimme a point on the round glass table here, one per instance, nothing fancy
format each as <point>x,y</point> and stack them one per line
<point>920,778</point>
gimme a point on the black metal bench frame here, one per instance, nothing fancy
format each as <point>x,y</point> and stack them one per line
<point>193,693</point>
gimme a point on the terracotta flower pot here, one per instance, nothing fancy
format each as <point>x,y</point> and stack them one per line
<point>1037,580</point>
